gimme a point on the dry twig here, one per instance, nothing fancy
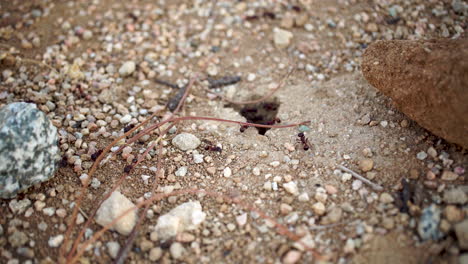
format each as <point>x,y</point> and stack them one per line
<point>374,186</point>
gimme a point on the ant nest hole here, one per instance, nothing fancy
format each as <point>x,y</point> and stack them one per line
<point>263,113</point>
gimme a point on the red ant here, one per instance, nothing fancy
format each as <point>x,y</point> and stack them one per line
<point>304,140</point>
<point>243,128</point>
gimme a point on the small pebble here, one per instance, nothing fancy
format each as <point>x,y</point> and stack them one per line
<point>55,241</point>
<point>421,155</point>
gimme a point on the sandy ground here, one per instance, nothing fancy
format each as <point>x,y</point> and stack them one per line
<point>336,107</point>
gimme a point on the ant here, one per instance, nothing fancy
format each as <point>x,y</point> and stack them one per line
<point>128,128</point>
<point>128,168</point>
<point>63,162</point>
<point>304,140</point>
<point>213,148</point>
<point>243,128</point>
<point>274,121</point>
<point>96,155</point>
<point>210,147</point>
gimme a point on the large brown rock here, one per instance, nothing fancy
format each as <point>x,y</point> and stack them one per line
<point>427,80</point>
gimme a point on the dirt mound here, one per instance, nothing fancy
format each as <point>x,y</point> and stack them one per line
<point>428,81</point>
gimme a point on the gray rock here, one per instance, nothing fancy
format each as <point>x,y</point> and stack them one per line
<point>28,148</point>
<point>113,248</point>
<point>461,229</point>
<point>186,141</point>
<point>19,206</point>
<point>18,239</point>
<point>428,226</point>
<point>455,196</point>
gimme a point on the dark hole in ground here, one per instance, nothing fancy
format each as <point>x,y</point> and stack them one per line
<point>261,113</point>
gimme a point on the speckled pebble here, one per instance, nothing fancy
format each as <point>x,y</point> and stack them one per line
<point>28,148</point>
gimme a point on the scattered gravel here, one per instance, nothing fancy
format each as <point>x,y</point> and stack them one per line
<point>106,59</point>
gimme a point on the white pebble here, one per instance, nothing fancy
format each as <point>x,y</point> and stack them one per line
<point>291,188</point>
<point>227,172</point>
<point>346,177</point>
<point>126,119</point>
<point>127,68</point>
<point>55,241</point>
<point>182,171</point>
<point>186,141</point>
<point>421,155</point>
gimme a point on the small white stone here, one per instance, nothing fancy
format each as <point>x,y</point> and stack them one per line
<point>346,177</point>
<point>145,178</point>
<point>198,158</point>
<point>304,197</point>
<point>267,186</point>
<point>187,216</point>
<point>291,188</point>
<point>357,184</point>
<point>256,171</point>
<point>241,219</point>
<point>49,211</point>
<point>321,197</point>
<point>55,241</point>
<point>127,68</point>
<point>182,171</point>
<point>125,119</point>
<point>227,172</point>
<point>112,208</point>
<point>386,198</point>
<point>251,77</point>
<point>275,164</point>
<point>87,34</point>
<point>384,123</point>
<point>177,250</point>
<point>319,208</point>
<point>274,186</point>
<point>186,141</point>
<point>421,155</point>
<point>113,248</point>
<point>282,38</point>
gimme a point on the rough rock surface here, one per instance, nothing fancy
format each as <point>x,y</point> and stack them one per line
<point>112,208</point>
<point>28,148</point>
<point>186,216</point>
<point>427,80</point>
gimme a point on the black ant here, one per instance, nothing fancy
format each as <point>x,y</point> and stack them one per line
<point>96,155</point>
<point>128,128</point>
<point>128,168</point>
<point>63,162</point>
<point>304,140</point>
